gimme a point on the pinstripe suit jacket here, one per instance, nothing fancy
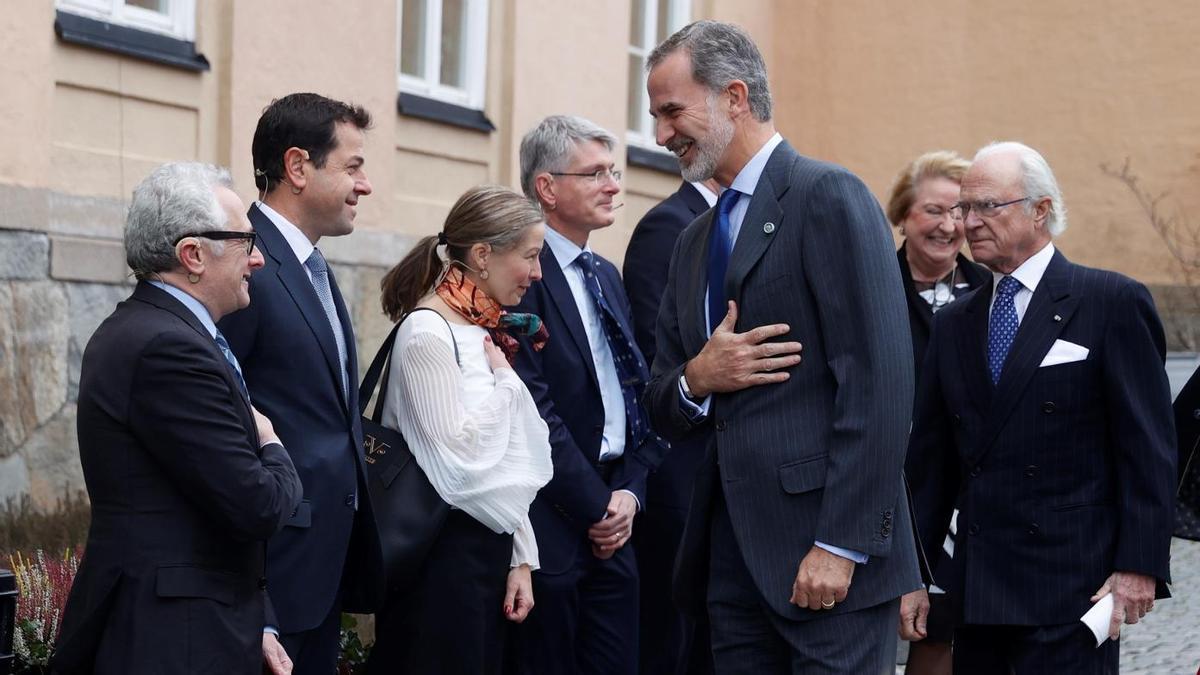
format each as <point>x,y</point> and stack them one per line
<point>1062,473</point>
<point>818,457</point>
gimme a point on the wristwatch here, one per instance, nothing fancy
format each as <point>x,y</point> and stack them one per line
<point>684,386</point>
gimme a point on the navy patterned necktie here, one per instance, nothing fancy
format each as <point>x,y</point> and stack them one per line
<point>320,281</point>
<point>1002,327</point>
<point>223,345</point>
<point>719,247</point>
<point>631,368</point>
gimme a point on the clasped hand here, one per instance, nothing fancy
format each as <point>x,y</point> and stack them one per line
<point>614,530</point>
<point>733,361</point>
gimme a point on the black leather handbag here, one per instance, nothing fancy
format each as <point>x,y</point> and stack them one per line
<point>408,511</point>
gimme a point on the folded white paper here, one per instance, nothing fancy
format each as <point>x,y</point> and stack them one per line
<point>1063,351</point>
<point>1098,617</point>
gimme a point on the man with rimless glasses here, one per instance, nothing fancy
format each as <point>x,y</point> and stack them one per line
<point>1044,416</point>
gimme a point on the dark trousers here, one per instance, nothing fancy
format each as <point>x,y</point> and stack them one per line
<point>584,621</point>
<point>315,651</point>
<point>671,642</point>
<point>749,637</point>
<point>1067,649</point>
<point>452,620</point>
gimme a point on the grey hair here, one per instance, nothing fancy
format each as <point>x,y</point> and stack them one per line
<point>1036,178</point>
<point>174,201</point>
<point>548,147</point>
<point>721,53</point>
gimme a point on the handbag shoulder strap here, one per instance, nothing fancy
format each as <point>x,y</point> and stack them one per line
<point>380,366</point>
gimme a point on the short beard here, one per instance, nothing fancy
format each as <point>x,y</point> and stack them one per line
<point>708,150</point>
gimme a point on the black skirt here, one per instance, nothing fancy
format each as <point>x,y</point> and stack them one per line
<point>452,619</point>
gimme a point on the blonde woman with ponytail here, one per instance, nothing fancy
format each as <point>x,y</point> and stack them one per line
<point>473,428</point>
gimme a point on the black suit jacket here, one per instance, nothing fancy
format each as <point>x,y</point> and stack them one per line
<point>183,500</point>
<point>562,379</point>
<point>645,272</point>
<point>920,314</point>
<point>289,358</point>
<point>1061,474</point>
<point>818,457</point>
<point>1187,428</point>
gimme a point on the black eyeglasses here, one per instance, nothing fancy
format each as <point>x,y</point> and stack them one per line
<point>982,209</point>
<point>220,235</point>
<point>598,176</point>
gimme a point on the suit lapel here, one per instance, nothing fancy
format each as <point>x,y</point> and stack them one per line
<point>295,280</point>
<point>560,294</point>
<point>610,285</point>
<point>1049,311</point>
<point>763,221</point>
<point>692,199</point>
<point>972,348</point>
<point>692,266</point>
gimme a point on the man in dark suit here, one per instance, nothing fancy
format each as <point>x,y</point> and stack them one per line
<point>1044,416</point>
<point>296,344</point>
<point>671,641</point>
<point>586,381</point>
<point>801,490</point>
<point>186,479</point>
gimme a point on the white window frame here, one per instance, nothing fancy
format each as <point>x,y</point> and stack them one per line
<point>179,22</point>
<point>678,14</point>
<point>474,39</point>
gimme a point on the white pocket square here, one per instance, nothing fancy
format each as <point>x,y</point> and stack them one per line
<point>1063,352</point>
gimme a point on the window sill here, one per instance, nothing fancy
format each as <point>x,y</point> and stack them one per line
<point>651,159</point>
<point>413,105</point>
<point>162,49</point>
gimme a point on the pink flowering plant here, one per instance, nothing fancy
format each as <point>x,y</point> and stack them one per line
<point>43,584</point>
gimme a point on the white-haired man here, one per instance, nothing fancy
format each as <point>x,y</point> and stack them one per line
<point>1043,414</point>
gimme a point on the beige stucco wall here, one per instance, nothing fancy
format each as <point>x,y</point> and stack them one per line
<point>871,85</point>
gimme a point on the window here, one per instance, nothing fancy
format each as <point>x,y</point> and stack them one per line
<point>443,50</point>
<point>650,22</point>
<point>173,18</point>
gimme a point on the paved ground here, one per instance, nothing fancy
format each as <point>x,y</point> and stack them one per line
<point>1167,642</point>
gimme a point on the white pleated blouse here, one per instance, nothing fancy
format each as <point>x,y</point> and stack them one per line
<point>476,434</point>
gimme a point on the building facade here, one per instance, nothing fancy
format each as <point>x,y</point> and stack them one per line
<point>97,92</point>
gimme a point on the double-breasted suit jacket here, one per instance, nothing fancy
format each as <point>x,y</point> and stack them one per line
<point>1064,470</point>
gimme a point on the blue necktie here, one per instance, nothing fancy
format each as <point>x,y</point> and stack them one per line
<point>1002,327</point>
<point>631,368</point>
<point>719,245</point>
<point>223,344</point>
<point>320,281</point>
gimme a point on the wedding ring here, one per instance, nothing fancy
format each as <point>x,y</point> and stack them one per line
<point>828,605</point>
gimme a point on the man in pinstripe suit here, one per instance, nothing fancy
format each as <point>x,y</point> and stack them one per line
<point>1044,416</point>
<point>800,491</point>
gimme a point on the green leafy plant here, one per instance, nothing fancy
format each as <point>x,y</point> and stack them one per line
<point>353,657</point>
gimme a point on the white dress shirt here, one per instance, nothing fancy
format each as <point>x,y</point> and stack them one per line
<point>709,196</point>
<point>612,444</point>
<point>297,240</point>
<point>476,434</point>
<point>1030,275</point>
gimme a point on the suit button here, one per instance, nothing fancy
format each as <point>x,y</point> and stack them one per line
<point>350,500</point>
<point>975,472</point>
<point>1033,528</point>
<point>1030,470</point>
<point>974,529</point>
<point>1048,407</point>
<point>721,425</point>
<point>1196,414</point>
<point>885,531</point>
<point>957,419</point>
<point>262,583</point>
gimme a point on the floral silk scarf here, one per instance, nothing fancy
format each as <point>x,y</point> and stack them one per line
<point>464,297</point>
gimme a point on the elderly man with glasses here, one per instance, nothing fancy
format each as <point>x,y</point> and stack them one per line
<point>587,382</point>
<point>1044,416</point>
<point>186,479</point>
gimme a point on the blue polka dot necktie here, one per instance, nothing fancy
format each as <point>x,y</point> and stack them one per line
<point>1002,327</point>
<point>631,367</point>
<point>719,247</point>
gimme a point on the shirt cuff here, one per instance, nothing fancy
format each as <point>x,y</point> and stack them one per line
<point>272,630</point>
<point>695,413</point>
<point>635,499</point>
<point>860,558</point>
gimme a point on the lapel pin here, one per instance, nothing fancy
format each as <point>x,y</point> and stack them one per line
<point>768,227</point>
<point>1057,317</point>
